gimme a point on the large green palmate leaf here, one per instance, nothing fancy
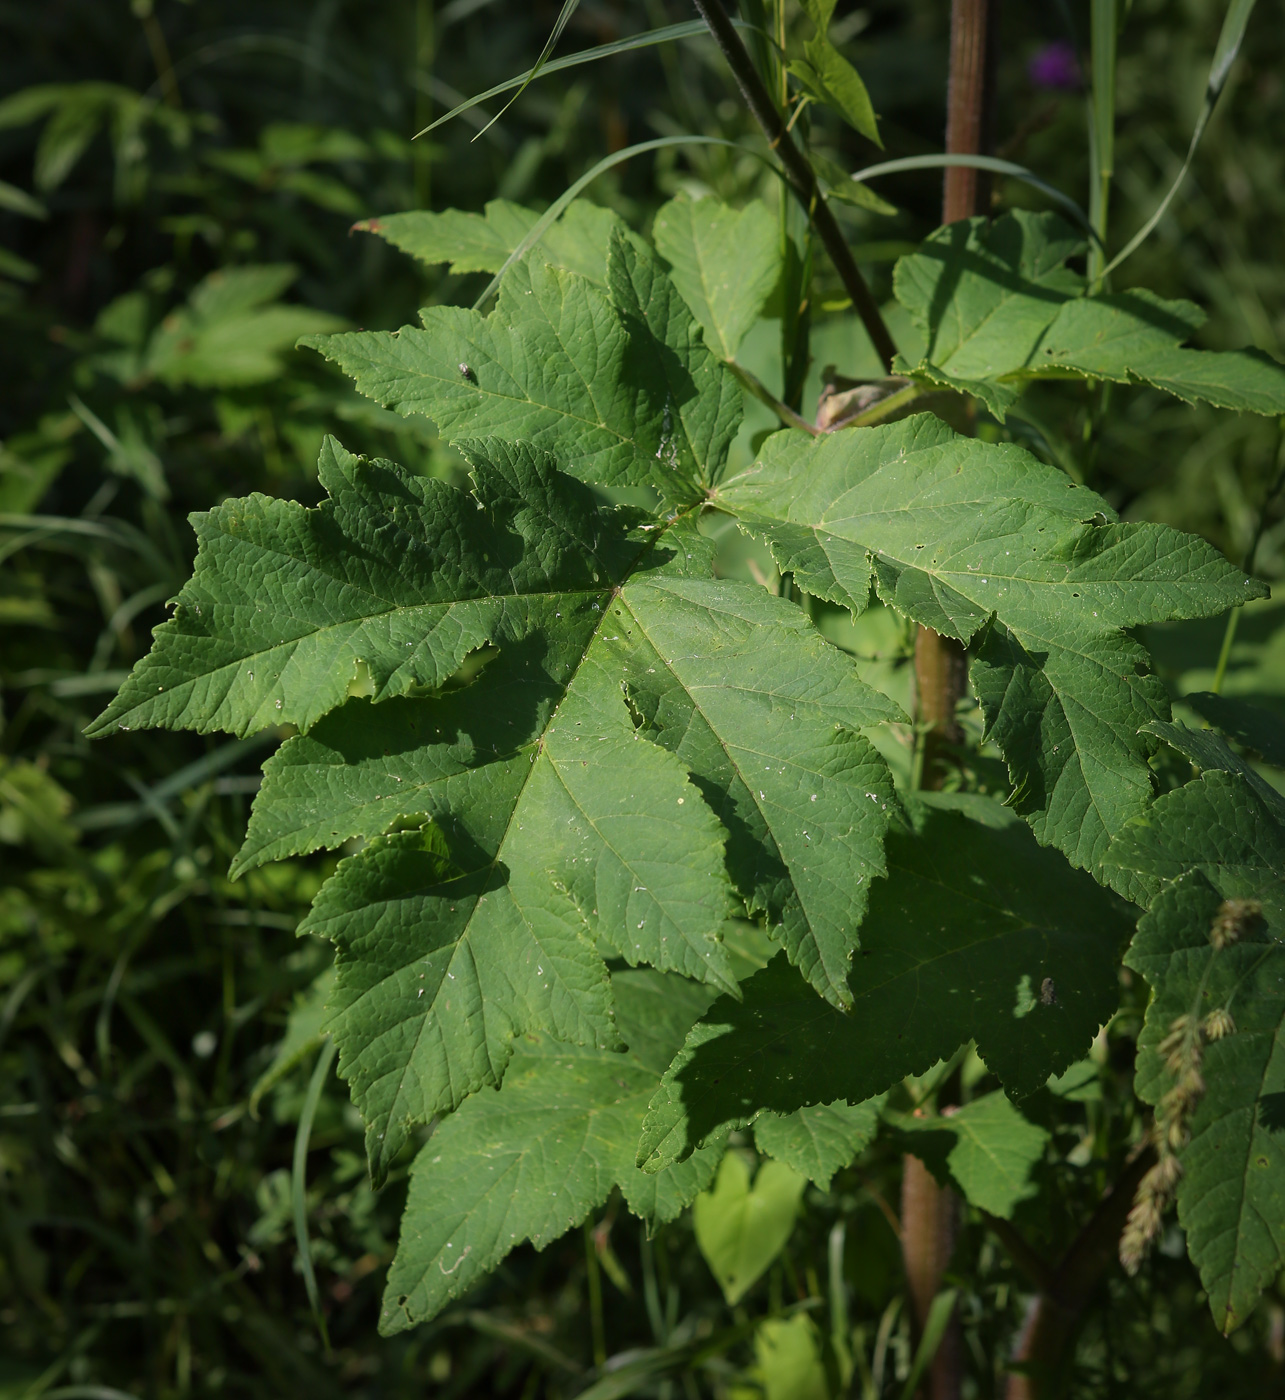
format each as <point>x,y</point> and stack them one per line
<point>989,545</point>
<point>533,1160</point>
<point>1213,840</point>
<point>976,933</point>
<point>484,242</point>
<point>997,305</point>
<point>562,823</point>
<point>618,381</point>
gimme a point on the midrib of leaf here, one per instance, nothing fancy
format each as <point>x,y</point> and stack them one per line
<point>996,1161</point>
<point>537,745</point>
<point>837,978</point>
<point>558,774</point>
<point>1000,306</point>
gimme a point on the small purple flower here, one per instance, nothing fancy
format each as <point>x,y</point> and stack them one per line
<point>1054,67</point>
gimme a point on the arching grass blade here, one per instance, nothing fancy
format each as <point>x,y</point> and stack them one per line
<point>1229,42</point>
<point>689,29</point>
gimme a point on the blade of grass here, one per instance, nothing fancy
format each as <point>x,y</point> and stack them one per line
<point>1103,29</point>
<point>1229,42</point>
<point>934,1330</point>
<point>569,8</point>
<point>992,163</point>
<point>689,29</point>
<point>299,1183</point>
<point>191,775</point>
<point>87,1392</point>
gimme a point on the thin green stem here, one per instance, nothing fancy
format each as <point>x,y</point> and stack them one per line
<point>1104,23</point>
<point>1233,619</point>
<point>299,1183</point>
<point>1224,655</point>
<point>764,395</point>
<point>594,1279</point>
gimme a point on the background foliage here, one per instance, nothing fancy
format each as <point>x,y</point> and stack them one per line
<point>180,184</point>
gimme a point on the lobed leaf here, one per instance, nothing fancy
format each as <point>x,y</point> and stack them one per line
<point>977,933</point>
<point>617,382</point>
<point>484,242</point>
<point>986,544</point>
<point>997,305</point>
<point>819,1140</point>
<point>986,1149</point>
<point>514,819</point>
<point>533,1160</point>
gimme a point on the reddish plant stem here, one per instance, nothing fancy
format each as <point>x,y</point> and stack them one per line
<point>930,1216</point>
<point>929,1223</point>
<point>941,673</point>
<point>800,174</point>
<point>973,32</point>
<point>1053,1316</point>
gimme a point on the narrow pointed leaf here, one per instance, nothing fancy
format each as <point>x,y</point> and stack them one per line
<point>829,78</point>
<point>689,29</point>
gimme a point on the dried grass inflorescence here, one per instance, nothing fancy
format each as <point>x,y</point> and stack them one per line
<point>1183,1052</point>
<point>1235,919</point>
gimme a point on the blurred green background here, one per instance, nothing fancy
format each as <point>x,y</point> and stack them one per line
<point>180,178</point>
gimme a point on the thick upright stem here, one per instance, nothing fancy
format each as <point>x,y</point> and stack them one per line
<point>799,173</point>
<point>929,1221</point>
<point>940,670</point>
<point>929,1213</point>
<point>968,107</point>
